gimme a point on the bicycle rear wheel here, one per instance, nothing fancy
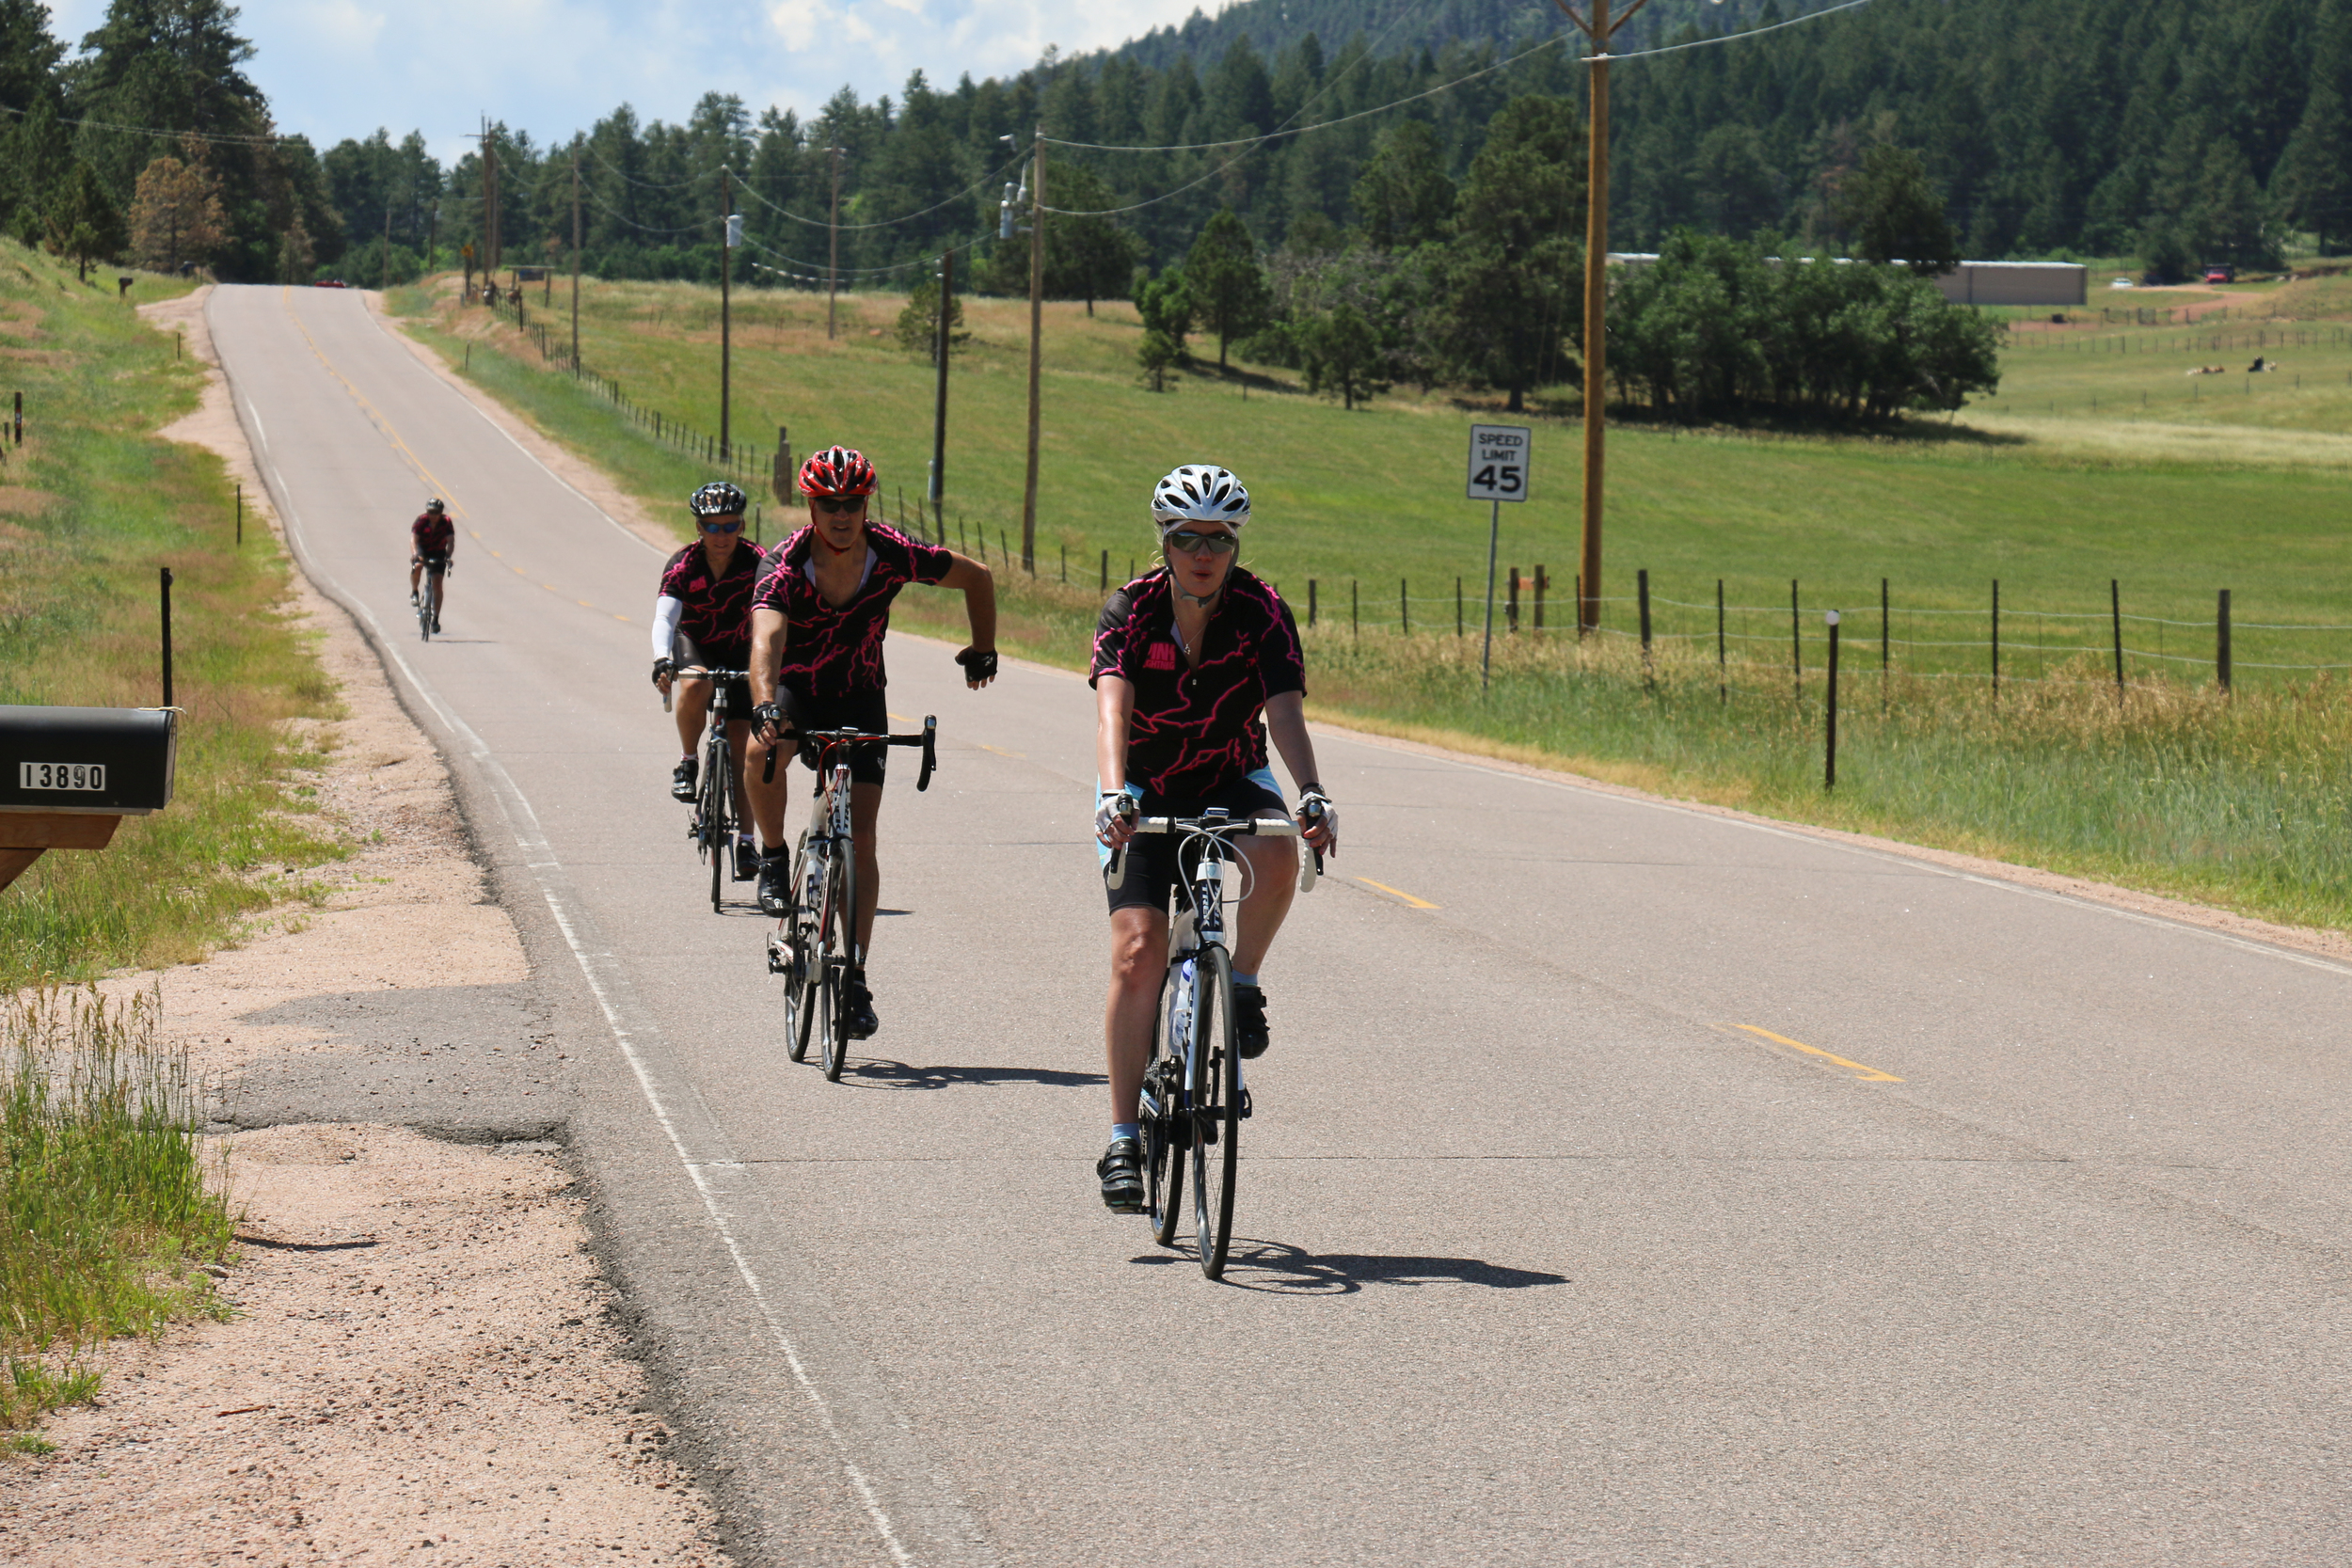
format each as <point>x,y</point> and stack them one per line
<point>1215,1082</point>
<point>840,916</point>
<point>800,978</point>
<point>1165,1148</point>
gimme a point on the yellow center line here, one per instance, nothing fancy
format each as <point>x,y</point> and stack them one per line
<point>901,718</point>
<point>1017,756</point>
<point>375,417</point>
<point>1406,899</point>
<point>1868,1074</point>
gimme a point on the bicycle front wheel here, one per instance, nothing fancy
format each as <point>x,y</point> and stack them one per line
<point>840,916</point>
<point>800,978</point>
<point>712,809</point>
<point>1214,1080</point>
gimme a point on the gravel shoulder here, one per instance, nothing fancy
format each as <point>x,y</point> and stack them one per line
<point>426,1362</point>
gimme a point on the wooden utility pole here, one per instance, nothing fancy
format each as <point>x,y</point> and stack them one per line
<point>833,258</point>
<point>938,487</point>
<point>726,318</point>
<point>1600,30</point>
<point>575,264</point>
<point>1037,323</point>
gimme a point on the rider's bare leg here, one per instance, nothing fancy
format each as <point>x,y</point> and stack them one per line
<point>690,700</point>
<point>1272,882</point>
<point>1138,961</point>
<point>864,810</point>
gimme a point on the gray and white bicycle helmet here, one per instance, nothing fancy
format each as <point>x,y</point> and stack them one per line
<point>1199,493</point>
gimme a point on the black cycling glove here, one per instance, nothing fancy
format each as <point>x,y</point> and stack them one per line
<point>661,667</point>
<point>979,664</point>
<point>767,715</point>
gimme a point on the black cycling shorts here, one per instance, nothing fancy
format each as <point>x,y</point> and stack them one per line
<point>868,711</point>
<point>1151,863</point>
<point>736,694</point>
<point>435,564</point>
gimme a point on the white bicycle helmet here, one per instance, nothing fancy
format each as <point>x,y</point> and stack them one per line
<point>1199,493</point>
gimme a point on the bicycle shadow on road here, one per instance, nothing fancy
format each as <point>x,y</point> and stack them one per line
<point>885,1074</point>
<point>1279,1269</point>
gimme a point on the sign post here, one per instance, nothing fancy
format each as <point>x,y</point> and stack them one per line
<point>1498,472</point>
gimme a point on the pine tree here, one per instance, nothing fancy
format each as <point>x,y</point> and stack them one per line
<point>1404,198</point>
<point>1513,271</point>
<point>176,217</point>
<point>1895,215</point>
<point>82,223</point>
<point>1227,286</point>
<point>2313,183</point>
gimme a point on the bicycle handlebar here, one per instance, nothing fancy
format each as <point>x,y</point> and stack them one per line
<point>844,739</point>
<point>1220,825</point>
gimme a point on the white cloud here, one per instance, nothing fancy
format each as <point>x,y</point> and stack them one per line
<point>343,68</point>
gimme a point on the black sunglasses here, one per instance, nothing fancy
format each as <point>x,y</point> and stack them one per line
<point>1184,541</point>
<point>834,506</point>
<point>713,525</point>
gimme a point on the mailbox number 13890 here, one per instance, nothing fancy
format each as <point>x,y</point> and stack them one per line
<point>61,775</point>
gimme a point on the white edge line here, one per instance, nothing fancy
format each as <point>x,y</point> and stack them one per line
<point>538,853</point>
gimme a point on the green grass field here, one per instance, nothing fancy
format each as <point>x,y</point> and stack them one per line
<point>94,504</point>
<point>2179,791</point>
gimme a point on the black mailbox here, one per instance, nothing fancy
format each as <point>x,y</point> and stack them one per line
<point>109,761</point>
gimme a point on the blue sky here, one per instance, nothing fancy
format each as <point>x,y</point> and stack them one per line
<point>341,68</point>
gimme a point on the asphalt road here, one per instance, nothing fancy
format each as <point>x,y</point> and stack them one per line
<point>1627,1185</point>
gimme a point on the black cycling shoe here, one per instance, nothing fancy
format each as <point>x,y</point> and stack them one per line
<point>1121,1170</point>
<point>775,899</point>
<point>858,1003</point>
<point>436,626</point>
<point>682,779</point>
<point>746,857</point>
<point>1249,1022</point>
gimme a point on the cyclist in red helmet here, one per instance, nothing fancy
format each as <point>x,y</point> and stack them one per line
<point>432,541</point>
<point>817,622</point>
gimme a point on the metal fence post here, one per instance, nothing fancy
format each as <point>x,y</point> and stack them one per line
<point>167,602</point>
<point>2115,607</point>
<point>1997,640</point>
<point>1796,644</point>
<point>1829,772</point>
<point>1723,666</point>
<point>2221,640</point>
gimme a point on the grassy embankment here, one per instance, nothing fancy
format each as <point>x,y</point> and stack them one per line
<point>111,1201</point>
<point>2236,803</point>
<point>105,1199</point>
<point>94,504</point>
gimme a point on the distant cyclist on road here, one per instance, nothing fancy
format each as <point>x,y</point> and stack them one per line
<point>702,619</point>
<point>432,541</point>
<point>1194,663</point>
<point>818,623</point>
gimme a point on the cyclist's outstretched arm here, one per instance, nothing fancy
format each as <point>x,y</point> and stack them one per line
<point>1114,709</point>
<point>978,586</point>
<point>1286,722</point>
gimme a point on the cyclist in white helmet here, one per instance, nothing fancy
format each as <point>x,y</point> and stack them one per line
<point>1196,663</point>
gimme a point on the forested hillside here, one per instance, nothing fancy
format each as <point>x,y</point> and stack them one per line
<point>151,143</point>
<point>2180,132</point>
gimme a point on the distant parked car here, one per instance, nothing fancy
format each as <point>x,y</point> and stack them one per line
<point>2120,283</point>
<point>2221,275</point>
<point>333,284</point>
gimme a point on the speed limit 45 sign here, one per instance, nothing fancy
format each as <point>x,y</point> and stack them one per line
<point>1497,462</point>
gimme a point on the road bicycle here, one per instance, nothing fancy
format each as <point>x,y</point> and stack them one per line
<point>429,597</point>
<point>718,824</point>
<point>1194,1099</point>
<point>815,945</point>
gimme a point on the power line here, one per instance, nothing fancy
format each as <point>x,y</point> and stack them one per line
<point>1731,37</point>
<point>1320,124</point>
<point>984,182</point>
<point>222,140</point>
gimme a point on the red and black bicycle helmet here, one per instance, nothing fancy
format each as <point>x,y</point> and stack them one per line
<point>837,471</point>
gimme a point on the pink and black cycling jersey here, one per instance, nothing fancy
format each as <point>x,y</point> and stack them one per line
<point>1198,727</point>
<point>831,652</point>
<point>716,610</point>
<point>433,535</point>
